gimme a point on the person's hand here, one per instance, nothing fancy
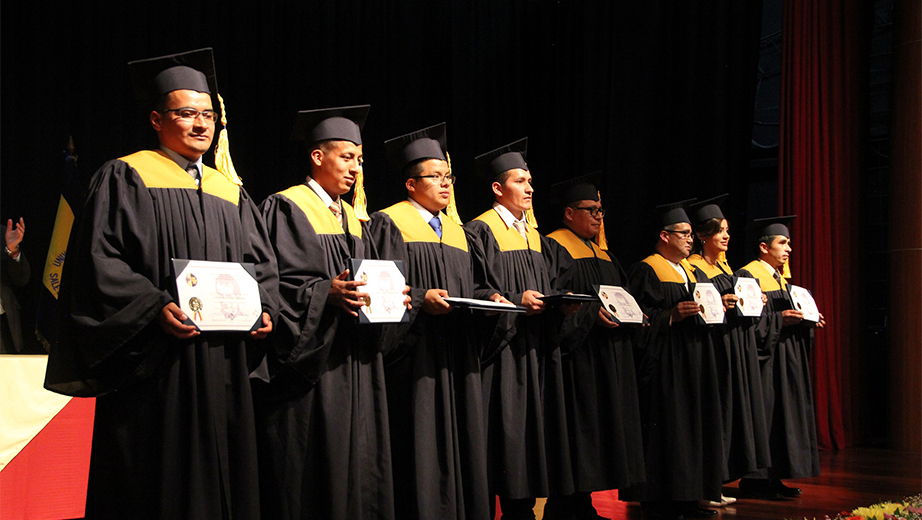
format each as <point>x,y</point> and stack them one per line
<point>14,235</point>
<point>729,301</point>
<point>171,319</point>
<point>499,298</point>
<point>263,331</point>
<point>605,320</point>
<point>791,317</point>
<point>343,294</point>
<point>822,323</point>
<point>684,310</point>
<point>434,304</point>
<point>406,297</point>
<point>764,299</point>
<point>531,302</point>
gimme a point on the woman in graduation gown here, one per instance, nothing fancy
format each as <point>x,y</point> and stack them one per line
<point>603,415</point>
<point>784,342</point>
<point>745,436</point>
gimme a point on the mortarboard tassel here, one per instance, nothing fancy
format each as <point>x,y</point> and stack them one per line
<point>359,202</point>
<point>530,217</point>
<point>600,239</point>
<point>786,269</point>
<point>452,209</point>
<point>222,158</point>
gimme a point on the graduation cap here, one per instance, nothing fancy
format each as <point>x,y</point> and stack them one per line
<point>428,143</point>
<point>331,124</point>
<point>337,124</point>
<point>770,226</point>
<point>584,187</point>
<point>673,213</point>
<point>707,209</point>
<point>507,157</point>
<point>192,70</point>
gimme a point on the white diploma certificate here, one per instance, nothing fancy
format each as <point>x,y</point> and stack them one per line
<point>620,304</point>
<point>803,301</point>
<point>385,283</point>
<point>750,297</point>
<point>218,296</point>
<point>708,297</point>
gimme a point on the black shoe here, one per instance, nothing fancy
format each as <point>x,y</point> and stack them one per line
<point>760,489</point>
<point>791,492</point>
<point>692,510</point>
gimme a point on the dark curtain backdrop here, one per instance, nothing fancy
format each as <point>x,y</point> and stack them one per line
<point>658,95</point>
<point>823,92</point>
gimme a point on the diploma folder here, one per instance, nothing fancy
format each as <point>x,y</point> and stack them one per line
<point>561,299</point>
<point>386,280</point>
<point>218,296</point>
<point>483,305</point>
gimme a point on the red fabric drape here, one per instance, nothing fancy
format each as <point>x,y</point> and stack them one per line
<point>819,172</point>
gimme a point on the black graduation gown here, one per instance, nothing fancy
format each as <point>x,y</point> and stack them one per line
<point>174,435</point>
<point>677,387</point>
<point>603,415</point>
<point>784,354</point>
<point>433,374</point>
<point>527,442</point>
<point>324,439</point>
<point>745,434</point>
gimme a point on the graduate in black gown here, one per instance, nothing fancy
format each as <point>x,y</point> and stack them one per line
<point>603,415</point>
<point>745,435</point>
<point>323,423</point>
<point>784,341</point>
<point>677,380</point>
<point>527,440</point>
<point>433,373</point>
<point>174,435</point>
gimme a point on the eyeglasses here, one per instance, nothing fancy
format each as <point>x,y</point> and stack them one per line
<point>684,234</point>
<point>191,114</point>
<point>593,211</point>
<point>438,179</point>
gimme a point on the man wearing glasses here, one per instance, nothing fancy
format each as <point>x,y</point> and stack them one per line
<point>175,432</point>
<point>603,415</point>
<point>527,441</point>
<point>677,380</point>
<point>433,373</point>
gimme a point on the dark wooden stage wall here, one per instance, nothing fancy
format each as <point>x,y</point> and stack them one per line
<point>851,478</point>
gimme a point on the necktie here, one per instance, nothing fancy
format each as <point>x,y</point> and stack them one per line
<point>520,227</point>
<point>436,225</point>
<point>193,172</point>
<point>337,212</point>
<point>779,280</point>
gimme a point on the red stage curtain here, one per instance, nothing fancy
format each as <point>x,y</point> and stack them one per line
<point>822,85</point>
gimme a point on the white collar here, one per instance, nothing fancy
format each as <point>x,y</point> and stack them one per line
<point>318,189</point>
<point>181,161</point>
<point>423,212</point>
<point>506,215</point>
<point>769,267</point>
<point>678,268</point>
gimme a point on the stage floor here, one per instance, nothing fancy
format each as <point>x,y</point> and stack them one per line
<point>850,478</point>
